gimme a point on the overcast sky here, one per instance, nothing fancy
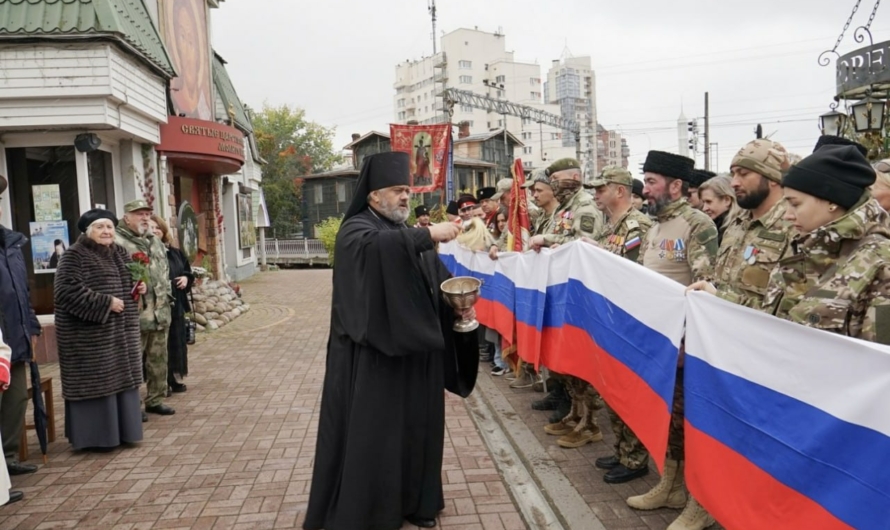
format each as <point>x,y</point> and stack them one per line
<point>756,58</point>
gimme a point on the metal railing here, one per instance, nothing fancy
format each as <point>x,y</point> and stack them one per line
<point>295,250</point>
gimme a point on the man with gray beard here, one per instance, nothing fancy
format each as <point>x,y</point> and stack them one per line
<point>391,353</point>
<point>155,315</point>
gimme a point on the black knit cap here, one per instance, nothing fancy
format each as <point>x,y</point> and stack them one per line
<point>700,176</point>
<point>638,188</point>
<point>669,165</point>
<point>92,216</point>
<point>421,210</point>
<point>827,139</point>
<point>836,173</point>
<point>452,208</point>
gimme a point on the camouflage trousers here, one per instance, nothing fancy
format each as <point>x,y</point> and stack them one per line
<point>628,449</point>
<point>154,360</point>
<point>583,393</point>
<point>676,439</point>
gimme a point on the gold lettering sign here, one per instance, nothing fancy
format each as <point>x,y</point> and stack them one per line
<point>234,141</point>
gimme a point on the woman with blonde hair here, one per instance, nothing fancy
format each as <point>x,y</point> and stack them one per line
<point>182,280</point>
<point>718,202</point>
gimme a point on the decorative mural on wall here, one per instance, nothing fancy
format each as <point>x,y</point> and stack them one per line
<point>185,35</point>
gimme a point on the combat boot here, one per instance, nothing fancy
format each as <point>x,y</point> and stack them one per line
<point>585,431</point>
<point>693,517</point>
<point>567,423</point>
<point>670,492</point>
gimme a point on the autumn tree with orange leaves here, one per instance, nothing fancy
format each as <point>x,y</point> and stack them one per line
<point>292,147</point>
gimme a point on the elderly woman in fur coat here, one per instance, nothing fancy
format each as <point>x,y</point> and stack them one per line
<point>97,329</point>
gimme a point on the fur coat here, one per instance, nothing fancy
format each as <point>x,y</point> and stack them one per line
<point>99,351</point>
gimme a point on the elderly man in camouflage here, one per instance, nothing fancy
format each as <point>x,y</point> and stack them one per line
<point>154,320</point>
<point>682,246</point>
<point>622,235</point>
<point>759,237</point>
<point>576,216</point>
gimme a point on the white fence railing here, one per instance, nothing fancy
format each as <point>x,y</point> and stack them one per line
<point>284,249</point>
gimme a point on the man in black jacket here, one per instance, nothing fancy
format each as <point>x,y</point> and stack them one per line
<point>20,331</point>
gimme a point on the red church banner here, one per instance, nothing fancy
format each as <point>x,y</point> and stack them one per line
<point>427,146</point>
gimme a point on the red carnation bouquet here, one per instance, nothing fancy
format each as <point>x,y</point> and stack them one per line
<point>139,272</point>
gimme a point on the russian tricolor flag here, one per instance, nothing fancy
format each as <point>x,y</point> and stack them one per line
<point>787,427</point>
<point>582,311</point>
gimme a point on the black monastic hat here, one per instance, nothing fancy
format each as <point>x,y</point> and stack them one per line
<point>383,170</point>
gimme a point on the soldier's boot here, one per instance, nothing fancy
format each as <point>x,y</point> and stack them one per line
<point>670,492</point>
<point>585,431</point>
<point>567,423</point>
<point>693,517</point>
<point>554,398</point>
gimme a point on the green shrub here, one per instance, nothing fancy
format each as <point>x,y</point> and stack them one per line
<point>327,233</point>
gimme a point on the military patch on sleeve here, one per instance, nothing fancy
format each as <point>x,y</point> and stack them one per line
<point>632,224</point>
<point>588,223</point>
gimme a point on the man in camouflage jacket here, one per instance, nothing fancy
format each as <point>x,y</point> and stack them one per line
<point>622,235</point>
<point>682,246</point>
<point>154,319</point>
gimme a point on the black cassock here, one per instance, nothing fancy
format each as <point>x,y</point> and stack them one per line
<point>391,355</point>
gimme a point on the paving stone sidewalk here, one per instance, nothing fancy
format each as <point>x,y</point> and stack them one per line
<point>238,452</point>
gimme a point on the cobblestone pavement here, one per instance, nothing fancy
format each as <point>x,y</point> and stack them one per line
<point>606,501</point>
<point>238,452</point>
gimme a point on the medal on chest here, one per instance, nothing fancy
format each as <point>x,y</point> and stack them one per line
<point>750,255</point>
<point>673,250</point>
<point>565,222</point>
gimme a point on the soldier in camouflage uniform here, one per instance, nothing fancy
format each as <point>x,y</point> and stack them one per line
<point>682,246</point>
<point>154,320</point>
<point>576,216</point>
<point>622,234</point>
<point>838,275</point>
<point>758,237</point>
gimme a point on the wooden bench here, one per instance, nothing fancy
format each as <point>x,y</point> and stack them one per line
<point>46,388</point>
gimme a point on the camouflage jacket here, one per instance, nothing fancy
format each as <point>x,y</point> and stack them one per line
<point>541,222</point>
<point>682,245</point>
<point>156,313</point>
<point>578,217</point>
<point>837,277</point>
<point>625,235</point>
<point>750,251</point>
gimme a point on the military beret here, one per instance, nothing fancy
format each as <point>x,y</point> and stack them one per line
<point>827,139</point>
<point>669,165</point>
<point>452,208</point>
<point>92,216</point>
<point>420,211</point>
<point>3,183</point>
<point>138,204</point>
<point>561,165</point>
<point>638,188</point>
<point>466,200</point>
<point>700,176</point>
<point>485,194</point>
<point>614,174</point>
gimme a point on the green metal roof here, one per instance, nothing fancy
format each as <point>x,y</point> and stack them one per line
<point>125,21</point>
<point>226,91</point>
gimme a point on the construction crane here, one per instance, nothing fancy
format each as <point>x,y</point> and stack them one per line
<point>453,96</point>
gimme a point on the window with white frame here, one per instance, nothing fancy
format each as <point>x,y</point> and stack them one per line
<point>465,65</point>
<point>319,193</point>
<point>341,192</point>
<point>527,150</point>
<point>466,79</point>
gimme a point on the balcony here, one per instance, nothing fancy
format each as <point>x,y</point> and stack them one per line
<point>439,60</point>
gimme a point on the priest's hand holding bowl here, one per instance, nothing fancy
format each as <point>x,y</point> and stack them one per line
<point>443,232</point>
<point>466,314</point>
<point>703,286</point>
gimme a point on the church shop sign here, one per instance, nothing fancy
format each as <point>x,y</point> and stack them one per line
<point>214,142</point>
<point>862,69</point>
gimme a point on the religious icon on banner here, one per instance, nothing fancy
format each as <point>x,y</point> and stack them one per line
<point>188,231</point>
<point>49,241</point>
<point>428,148</point>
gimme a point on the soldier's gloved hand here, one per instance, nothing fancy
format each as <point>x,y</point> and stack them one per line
<point>703,286</point>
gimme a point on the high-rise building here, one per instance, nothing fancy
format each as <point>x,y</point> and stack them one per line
<point>478,62</point>
<point>571,84</point>
<point>611,148</point>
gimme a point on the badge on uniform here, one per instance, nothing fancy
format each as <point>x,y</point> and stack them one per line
<point>632,243</point>
<point>673,249</point>
<point>750,255</point>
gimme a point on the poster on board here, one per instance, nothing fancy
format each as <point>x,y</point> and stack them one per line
<point>49,241</point>
<point>47,202</point>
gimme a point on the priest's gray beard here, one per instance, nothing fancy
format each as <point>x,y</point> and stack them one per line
<point>396,210</point>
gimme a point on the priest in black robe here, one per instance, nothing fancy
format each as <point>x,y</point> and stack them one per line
<point>391,355</point>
